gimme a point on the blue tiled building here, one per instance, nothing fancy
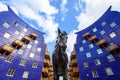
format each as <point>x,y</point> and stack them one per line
<point>97,48</point>
<point>22,49</point>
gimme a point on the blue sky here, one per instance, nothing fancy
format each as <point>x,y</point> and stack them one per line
<point>69,15</point>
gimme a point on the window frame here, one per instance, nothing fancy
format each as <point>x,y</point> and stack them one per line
<point>9,73</point>
<point>102,32</point>
<point>99,51</point>
<point>25,74</point>
<point>81,49</point>
<point>35,64</point>
<point>94,73</point>
<point>113,24</point>
<point>103,23</point>
<point>97,62</point>
<point>17,32</point>
<point>6,25</point>
<point>112,35</point>
<point>32,55</point>
<point>7,35</point>
<point>91,46</point>
<point>94,29</point>
<point>110,70</point>
<point>85,64</point>
<point>110,58</point>
<point>20,52</point>
<point>88,55</point>
<point>23,62</point>
<point>9,59</point>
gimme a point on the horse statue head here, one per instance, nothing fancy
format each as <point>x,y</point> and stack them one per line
<point>62,39</point>
<point>59,56</point>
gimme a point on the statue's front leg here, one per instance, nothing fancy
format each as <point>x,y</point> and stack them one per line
<point>55,72</point>
<point>65,74</point>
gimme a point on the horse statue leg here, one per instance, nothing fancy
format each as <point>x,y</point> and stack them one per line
<point>65,74</point>
<point>55,72</point>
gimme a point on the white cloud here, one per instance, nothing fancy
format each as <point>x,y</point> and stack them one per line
<point>94,10</point>
<point>79,5</point>
<point>70,42</point>
<point>41,12</point>
<point>63,9</point>
<point>3,7</point>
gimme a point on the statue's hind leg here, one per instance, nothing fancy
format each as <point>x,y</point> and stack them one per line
<point>65,75</point>
<point>55,72</point>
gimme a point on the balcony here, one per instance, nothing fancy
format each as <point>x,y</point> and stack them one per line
<point>93,39</point>
<point>70,69</point>
<point>26,39</point>
<point>75,72</point>
<point>6,49</point>
<point>47,55</point>
<point>46,63</point>
<point>74,63</point>
<point>50,69</point>
<point>114,48</point>
<point>17,44</point>
<point>44,72</point>
<point>102,43</point>
<point>70,64</point>
<point>33,36</point>
<point>50,64</point>
<point>86,35</point>
<point>51,74</point>
<point>73,56</point>
<point>76,78</point>
<point>44,78</point>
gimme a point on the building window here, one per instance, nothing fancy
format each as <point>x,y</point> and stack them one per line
<point>112,34</point>
<point>20,52</point>
<point>85,64</point>
<point>25,74</point>
<point>22,62</point>
<point>97,62</point>
<point>91,46</point>
<point>110,58</point>
<point>36,42</point>
<point>109,71</point>
<point>103,23</point>
<point>6,25</point>
<point>29,46</point>
<point>7,35</point>
<point>16,23</point>
<point>35,64</point>
<point>21,35</point>
<point>17,32</point>
<point>94,73</point>
<point>9,58</point>
<point>39,49</point>
<point>31,55</point>
<point>113,24</point>
<point>102,32</point>
<point>81,49</point>
<point>99,51</point>
<point>94,29</point>
<point>11,72</point>
<point>25,29</point>
<point>83,41</point>
<point>88,54</point>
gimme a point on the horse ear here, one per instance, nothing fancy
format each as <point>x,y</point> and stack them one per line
<point>59,31</point>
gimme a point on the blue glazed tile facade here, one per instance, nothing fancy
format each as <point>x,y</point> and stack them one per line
<point>97,63</point>
<point>12,28</point>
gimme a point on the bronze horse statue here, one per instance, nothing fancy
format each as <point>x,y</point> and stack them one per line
<point>59,56</point>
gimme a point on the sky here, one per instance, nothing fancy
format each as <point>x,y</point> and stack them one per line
<point>68,15</point>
